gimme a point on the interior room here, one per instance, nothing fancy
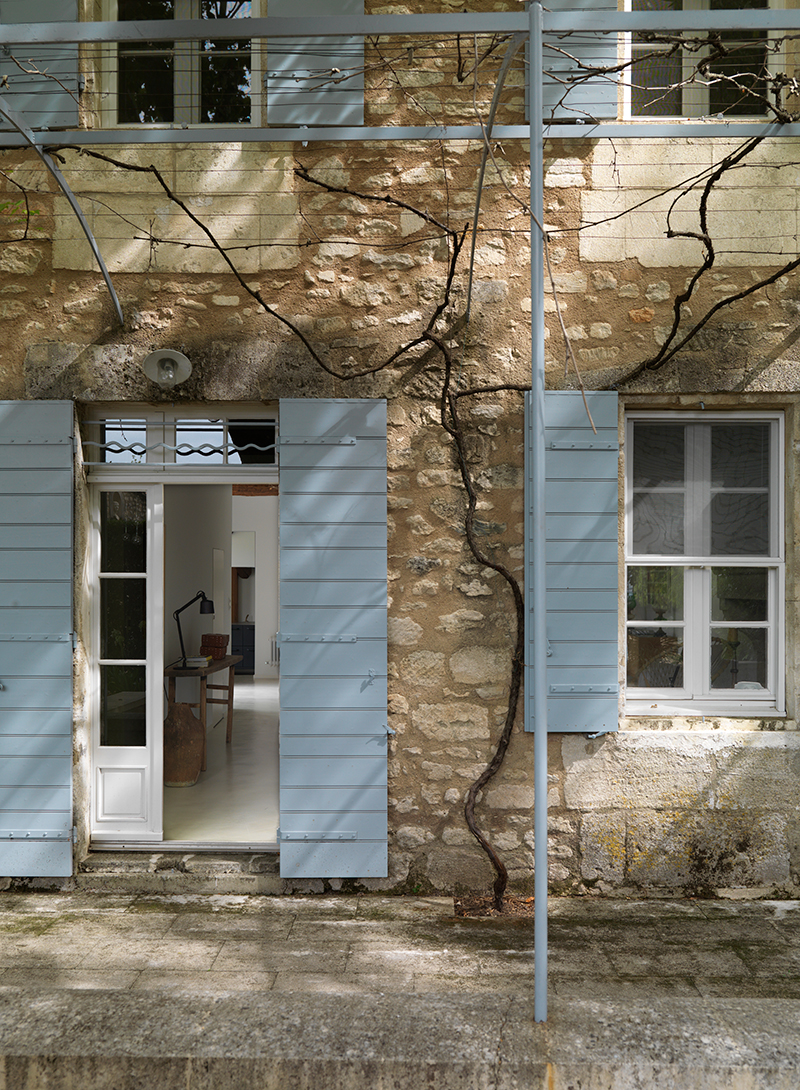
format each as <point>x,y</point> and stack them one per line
<point>223,540</point>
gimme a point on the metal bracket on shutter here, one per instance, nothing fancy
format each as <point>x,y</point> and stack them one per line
<point>38,442</point>
<point>316,835</point>
<point>330,637</point>
<point>36,637</point>
<point>39,834</point>
<point>583,689</point>
<point>317,441</point>
<point>583,444</point>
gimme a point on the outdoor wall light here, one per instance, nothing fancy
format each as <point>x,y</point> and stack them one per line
<point>206,606</point>
<point>167,368</point>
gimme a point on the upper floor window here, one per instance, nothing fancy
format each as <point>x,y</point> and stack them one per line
<point>183,83</point>
<point>665,80</point>
<point>704,550</point>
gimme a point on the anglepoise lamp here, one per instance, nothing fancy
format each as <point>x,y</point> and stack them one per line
<point>206,606</point>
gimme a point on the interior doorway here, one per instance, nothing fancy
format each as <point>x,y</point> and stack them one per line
<point>234,803</point>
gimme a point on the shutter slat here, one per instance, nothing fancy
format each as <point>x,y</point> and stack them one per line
<point>562,97</point>
<point>582,595</point>
<point>42,102</point>
<point>35,638</point>
<point>333,640</point>
<point>300,87</point>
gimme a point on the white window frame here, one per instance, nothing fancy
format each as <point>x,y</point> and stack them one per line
<point>188,73</point>
<point>695,96</point>
<point>694,698</point>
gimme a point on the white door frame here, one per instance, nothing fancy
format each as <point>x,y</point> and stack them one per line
<point>127,782</point>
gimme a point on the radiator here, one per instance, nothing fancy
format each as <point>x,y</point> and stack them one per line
<point>274,652</point>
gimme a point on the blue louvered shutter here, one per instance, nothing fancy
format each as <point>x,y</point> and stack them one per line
<point>36,638</point>
<point>333,673</point>
<point>306,82</point>
<point>582,562</point>
<point>567,94</point>
<point>42,102</point>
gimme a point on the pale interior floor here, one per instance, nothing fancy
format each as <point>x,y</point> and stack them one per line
<point>236,800</point>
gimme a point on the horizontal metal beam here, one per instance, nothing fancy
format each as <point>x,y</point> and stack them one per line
<point>669,22</point>
<point>589,130</point>
<point>579,21</point>
<point>153,30</point>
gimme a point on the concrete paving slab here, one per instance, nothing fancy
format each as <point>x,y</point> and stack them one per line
<point>228,991</point>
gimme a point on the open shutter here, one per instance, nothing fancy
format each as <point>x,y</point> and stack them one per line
<point>333,674</point>
<point>582,562</point>
<point>567,94</point>
<point>36,638</point>
<point>308,81</point>
<point>46,93</point>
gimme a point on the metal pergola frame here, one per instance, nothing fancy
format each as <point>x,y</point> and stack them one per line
<point>542,27</point>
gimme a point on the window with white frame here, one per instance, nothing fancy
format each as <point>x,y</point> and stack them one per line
<point>182,83</point>
<point>665,80</point>
<point>704,564</point>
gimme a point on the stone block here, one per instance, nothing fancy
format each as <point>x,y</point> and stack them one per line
<point>21,259</point>
<point>624,164</point>
<point>639,769</point>
<point>757,770</point>
<point>88,175</point>
<point>510,796</point>
<point>225,169</point>
<point>403,631</point>
<point>424,668</point>
<point>701,852</point>
<point>602,847</point>
<point>451,722</point>
<point>477,665</point>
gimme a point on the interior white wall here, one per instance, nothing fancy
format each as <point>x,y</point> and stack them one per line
<point>260,513</point>
<point>197,520</point>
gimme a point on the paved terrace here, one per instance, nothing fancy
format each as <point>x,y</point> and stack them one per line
<point>222,991</point>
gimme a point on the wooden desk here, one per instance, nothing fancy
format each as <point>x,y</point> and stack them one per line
<point>202,672</point>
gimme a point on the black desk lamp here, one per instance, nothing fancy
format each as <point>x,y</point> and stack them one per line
<point>206,606</point>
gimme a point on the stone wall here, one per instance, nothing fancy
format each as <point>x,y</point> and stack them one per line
<point>664,805</point>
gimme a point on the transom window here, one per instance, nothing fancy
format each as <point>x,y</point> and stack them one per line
<point>704,573</point>
<point>190,83</point>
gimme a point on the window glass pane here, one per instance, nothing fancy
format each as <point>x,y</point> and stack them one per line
<point>658,455</point>
<point>145,69</point>
<point>739,524</point>
<point>742,67</point>
<point>225,68</point>
<point>251,442</point>
<point>655,658</point>
<point>116,442</point>
<point>653,77</point>
<point>740,456</point>
<point>739,594</point>
<point>122,706</point>
<point>738,658</point>
<point>658,524</point>
<point>655,594</point>
<point>123,614</point>
<point>123,525</point>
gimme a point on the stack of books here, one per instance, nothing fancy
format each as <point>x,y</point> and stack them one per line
<point>196,662</point>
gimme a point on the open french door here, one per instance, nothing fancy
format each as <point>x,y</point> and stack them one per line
<point>128,662</point>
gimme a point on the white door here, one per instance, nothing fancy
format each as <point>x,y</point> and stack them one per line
<point>127,702</point>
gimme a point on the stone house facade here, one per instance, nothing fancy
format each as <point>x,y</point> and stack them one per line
<point>691,794</point>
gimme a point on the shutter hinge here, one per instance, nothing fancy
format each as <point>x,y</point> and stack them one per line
<point>315,834</point>
<point>583,444</point>
<point>583,689</point>
<point>317,441</point>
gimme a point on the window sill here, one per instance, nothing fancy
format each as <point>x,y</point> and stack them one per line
<point>744,709</point>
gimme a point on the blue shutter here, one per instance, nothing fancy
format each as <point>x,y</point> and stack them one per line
<point>563,62</point>
<point>333,674</point>
<point>36,638</point>
<point>582,562</point>
<point>41,101</point>
<point>300,77</point>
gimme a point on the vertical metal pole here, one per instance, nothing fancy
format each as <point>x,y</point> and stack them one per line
<point>538,514</point>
